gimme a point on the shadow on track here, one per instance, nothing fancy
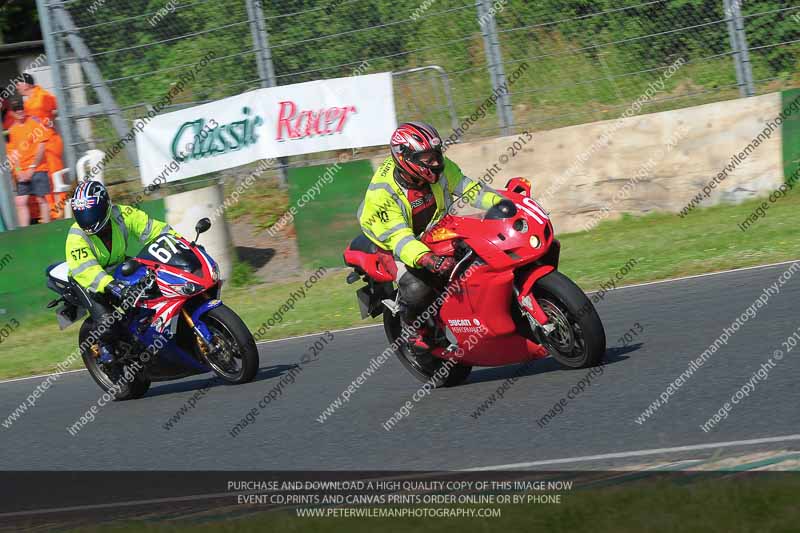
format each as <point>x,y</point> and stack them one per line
<point>211,381</point>
<point>543,366</point>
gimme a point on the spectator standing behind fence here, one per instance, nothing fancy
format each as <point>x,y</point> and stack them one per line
<point>26,151</point>
<point>41,104</point>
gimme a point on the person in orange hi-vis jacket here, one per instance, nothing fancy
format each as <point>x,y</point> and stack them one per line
<point>39,102</point>
<point>26,152</point>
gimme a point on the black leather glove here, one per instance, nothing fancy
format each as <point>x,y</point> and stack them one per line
<point>117,291</point>
<point>438,264</point>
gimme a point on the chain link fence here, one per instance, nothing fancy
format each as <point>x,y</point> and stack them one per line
<point>547,64</point>
<point>117,59</point>
<point>339,37</point>
<point>591,60</point>
<point>772,29</point>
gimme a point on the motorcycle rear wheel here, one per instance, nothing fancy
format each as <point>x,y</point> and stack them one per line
<point>111,378</point>
<point>579,340</point>
<point>426,367</point>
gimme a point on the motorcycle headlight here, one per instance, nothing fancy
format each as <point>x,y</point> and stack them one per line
<point>190,288</point>
<point>534,241</point>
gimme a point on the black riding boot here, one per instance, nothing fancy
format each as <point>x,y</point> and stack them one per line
<point>416,297</point>
<point>101,312</point>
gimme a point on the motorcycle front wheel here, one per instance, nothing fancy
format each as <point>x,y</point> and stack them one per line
<point>579,339</point>
<point>235,357</point>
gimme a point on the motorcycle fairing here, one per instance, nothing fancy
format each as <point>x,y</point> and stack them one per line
<point>485,304</point>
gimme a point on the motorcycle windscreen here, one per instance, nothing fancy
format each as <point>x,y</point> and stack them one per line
<point>170,251</point>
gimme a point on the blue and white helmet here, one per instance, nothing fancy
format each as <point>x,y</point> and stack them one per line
<point>91,206</point>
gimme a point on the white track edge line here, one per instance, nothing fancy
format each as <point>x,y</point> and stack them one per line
<point>12,380</point>
<point>707,274</point>
<point>639,453</point>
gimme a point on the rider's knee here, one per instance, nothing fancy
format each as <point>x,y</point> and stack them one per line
<point>413,290</point>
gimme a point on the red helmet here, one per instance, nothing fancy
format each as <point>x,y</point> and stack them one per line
<point>417,151</point>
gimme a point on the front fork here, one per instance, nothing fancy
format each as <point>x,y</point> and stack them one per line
<point>203,342</point>
<point>540,324</point>
<point>202,334</point>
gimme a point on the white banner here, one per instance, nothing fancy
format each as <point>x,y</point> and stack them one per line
<point>316,116</point>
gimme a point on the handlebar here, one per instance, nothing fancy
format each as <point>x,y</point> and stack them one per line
<point>143,285</point>
<point>456,268</point>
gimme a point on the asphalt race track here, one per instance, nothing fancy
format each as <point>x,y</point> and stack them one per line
<point>679,320</point>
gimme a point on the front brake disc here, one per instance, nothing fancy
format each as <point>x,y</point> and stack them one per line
<point>562,337</point>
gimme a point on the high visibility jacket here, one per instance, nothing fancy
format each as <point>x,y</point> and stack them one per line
<point>385,215</point>
<point>87,256</point>
<point>41,104</point>
<point>24,139</point>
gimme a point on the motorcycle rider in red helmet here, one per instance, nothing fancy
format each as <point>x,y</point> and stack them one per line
<point>411,189</point>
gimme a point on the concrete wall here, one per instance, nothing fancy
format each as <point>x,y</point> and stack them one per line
<point>186,208</point>
<point>592,172</point>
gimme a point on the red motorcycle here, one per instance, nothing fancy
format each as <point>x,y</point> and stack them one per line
<point>504,303</point>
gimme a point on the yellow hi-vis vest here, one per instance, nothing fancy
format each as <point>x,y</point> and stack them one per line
<point>87,256</point>
<point>385,215</point>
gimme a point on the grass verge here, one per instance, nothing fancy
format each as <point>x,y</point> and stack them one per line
<point>663,245</point>
<point>263,204</point>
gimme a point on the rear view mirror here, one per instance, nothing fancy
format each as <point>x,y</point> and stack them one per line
<point>203,225</point>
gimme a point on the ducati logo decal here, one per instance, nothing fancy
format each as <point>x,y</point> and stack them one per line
<point>465,325</point>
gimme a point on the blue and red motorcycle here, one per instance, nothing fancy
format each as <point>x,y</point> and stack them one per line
<point>174,323</point>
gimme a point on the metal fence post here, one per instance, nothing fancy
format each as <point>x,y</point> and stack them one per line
<point>734,46</point>
<point>258,29</point>
<point>95,76</point>
<point>266,68</point>
<point>494,57</point>
<point>8,208</point>
<point>53,59</point>
<point>741,52</point>
<point>744,49</point>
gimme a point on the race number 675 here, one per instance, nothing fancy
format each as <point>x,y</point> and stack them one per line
<point>164,248</point>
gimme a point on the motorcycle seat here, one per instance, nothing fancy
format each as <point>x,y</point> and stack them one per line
<point>368,258</point>
<point>58,277</point>
<point>363,244</point>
